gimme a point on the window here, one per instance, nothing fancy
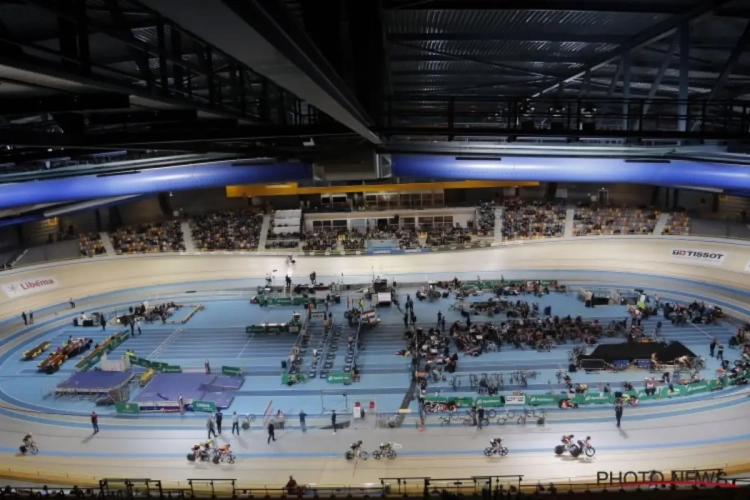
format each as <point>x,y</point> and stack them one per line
<point>339,224</point>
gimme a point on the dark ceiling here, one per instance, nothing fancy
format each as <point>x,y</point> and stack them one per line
<point>93,82</point>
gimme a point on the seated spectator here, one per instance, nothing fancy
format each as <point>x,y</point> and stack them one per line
<point>678,224</point>
<point>614,221</point>
<point>486,219</point>
<point>523,220</point>
<point>231,230</point>
<point>91,244</point>
<point>447,236</point>
<point>148,238</point>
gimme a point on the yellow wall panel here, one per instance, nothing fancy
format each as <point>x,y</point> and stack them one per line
<point>292,188</point>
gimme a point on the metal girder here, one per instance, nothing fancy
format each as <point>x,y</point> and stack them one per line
<point>731,62</point>
<point>656,32</point>
<point>509,36</point>
<point>62,103</point>
<point>143,117</point>
<point>261,35</point>
<point>141,57</point>
<point>660,74</point>
<point>636,6</point>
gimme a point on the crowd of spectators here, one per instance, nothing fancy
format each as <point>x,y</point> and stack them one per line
<point>455,235</point>
<point>149,238</point>
<point>611,220</point>
<point>91,244</point>
<point>284,231</point>
<point>677,225</point>
<point>231,230</point>
<point>522,220</point>
<point>486,219</point>
<point>322,240</point>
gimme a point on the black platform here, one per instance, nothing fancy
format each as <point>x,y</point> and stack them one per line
<point>666,353</point>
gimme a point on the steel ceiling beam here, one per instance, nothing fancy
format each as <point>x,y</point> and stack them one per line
<point>731,62</point>
<point>62,104</point>
<point>635,6</point>
<point>509,36</point>
<point>654,33</point>
<point>262,35</point>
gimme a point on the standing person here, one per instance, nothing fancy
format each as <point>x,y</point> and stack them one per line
<point>235,423</point>
<point>302,416</point>
<point>712,347</point>
<point>333,420</point>
<point>219,418</point>
<point>138,326</point>
<point>618,411</point>
<point>480,417</point>
<point>25,319</point>
<point>271,435</point>
<point>95,422</point>
<point>720,352</point>
<point>104,321</point>
<point>72,304</point>
<point>210,427</point>
<point>207,367</point>
<point>280,419</point>
<point>31,317</point>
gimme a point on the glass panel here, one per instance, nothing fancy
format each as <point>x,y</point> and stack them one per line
<point>339,223</point>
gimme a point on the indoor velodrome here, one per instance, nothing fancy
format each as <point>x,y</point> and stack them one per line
<point>704,430</point>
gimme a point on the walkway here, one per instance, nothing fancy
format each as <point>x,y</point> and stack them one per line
<point>569,222</point>
<point>187,236</point>
<point>264,232</point>
<point>107,243</point>
<point>661,223</point>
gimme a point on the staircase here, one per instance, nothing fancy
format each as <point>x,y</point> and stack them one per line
<point>498,236</point>
<point>661,223</point>
<point>187,237</point>
<point>569,215</point>
<point>107,243</point>
<point>264,232</point>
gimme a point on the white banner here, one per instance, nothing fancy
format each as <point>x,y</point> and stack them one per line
<point>515,400</point>
<point>30,287</point>
<point>699,257</point>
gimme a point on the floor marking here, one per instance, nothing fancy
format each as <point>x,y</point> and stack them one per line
<point>701,330</point>
<point>245,347</point>
<point>156,352</point>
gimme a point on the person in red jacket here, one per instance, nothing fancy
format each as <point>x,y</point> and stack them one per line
<point>95,421</point>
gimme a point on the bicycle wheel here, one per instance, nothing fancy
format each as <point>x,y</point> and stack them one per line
<point>377,454</point>
<point>488,452</point>
<point>590,451</point>
<point>501,420</point>
<point>391,454</point>
<point>510,413</point>
<point>503,451</point>
<point>231,459</point>
<point>491,413</point>
<point>33,449</point>
<point>485,422</point>
<point>349,455</point>
<point>363,455</point>
<point>521,420</point>
<point>468,422</point>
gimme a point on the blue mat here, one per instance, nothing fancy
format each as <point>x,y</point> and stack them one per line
<point>191,387</point>
<point>95,381</point>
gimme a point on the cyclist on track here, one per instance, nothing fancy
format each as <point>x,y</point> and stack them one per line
<point>496,444</point>
<point>567,439</point>
<point>28,440</point>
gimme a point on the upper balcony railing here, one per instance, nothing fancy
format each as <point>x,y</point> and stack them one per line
<point>478,116</point>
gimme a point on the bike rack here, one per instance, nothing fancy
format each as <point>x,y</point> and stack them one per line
<point>128,486</point>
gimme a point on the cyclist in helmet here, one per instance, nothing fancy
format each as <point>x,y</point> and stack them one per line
<point>567,439</point>
<point>28,439</point>
<point>496,444</point>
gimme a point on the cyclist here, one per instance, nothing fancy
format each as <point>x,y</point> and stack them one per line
<point>28,440</point>
<point>496,444</point>
<point>585,443</point>
<point>567,439</point>
<point>384,446</point>
<point>355,447</point>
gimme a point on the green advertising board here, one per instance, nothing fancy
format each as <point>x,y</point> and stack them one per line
<point>206,406</point>
<point>696,388</point>
<point>232,371</point>
<point>541,399</point>
<point>594,398</point>
<point>127,408</point>
<point>340,378</point>
<point>489,401</point>
<point>171,369</point>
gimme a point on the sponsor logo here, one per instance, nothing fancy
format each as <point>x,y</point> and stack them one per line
<point>22,288</point>
<point>381,252</point>
<point>413,250</point>
<point>515,400</point>
<point>701,257</point>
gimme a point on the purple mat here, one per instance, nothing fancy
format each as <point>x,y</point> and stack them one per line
<point>191,386</point>
<point>95,381</point>
<point>233,383</point>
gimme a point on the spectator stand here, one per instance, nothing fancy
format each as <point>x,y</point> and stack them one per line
<point>284,230</point>
<point>91,244</point>
<point>524,221</point>
<point>678,224</point>
<point>590,221</point>
<point>230,230</point>
<point>149,238</point>
<point>486,219</point>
